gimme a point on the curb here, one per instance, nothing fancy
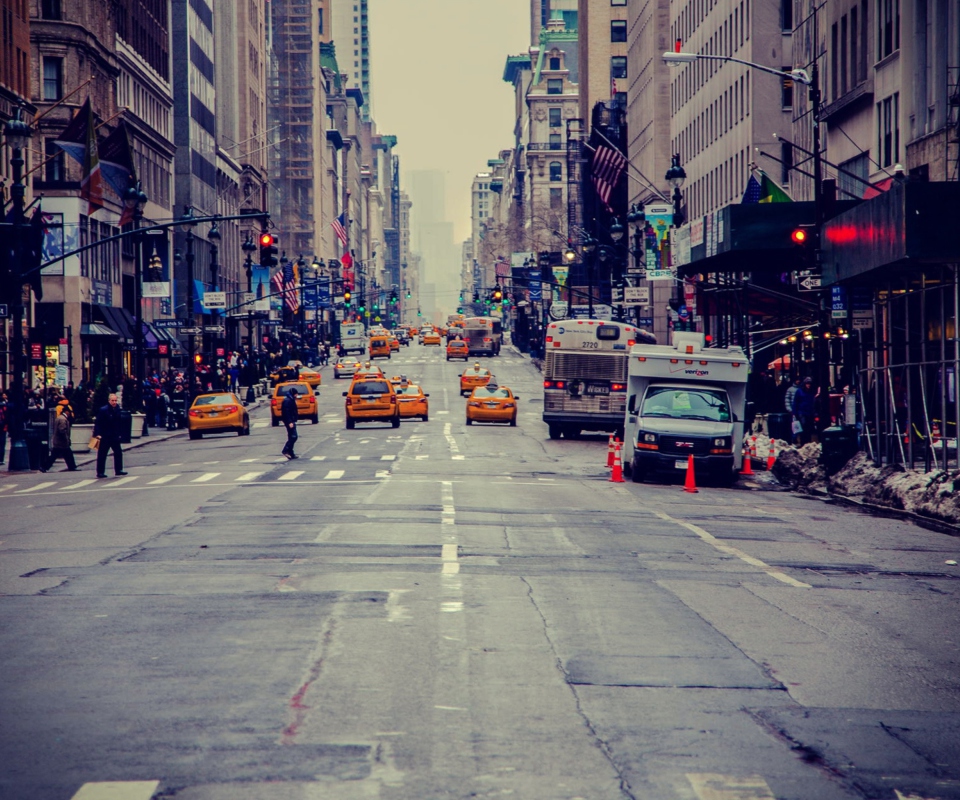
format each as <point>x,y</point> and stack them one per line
<point>931,523</point>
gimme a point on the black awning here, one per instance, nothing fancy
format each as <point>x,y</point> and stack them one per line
<point>90,329</point>
<point>911,224</point>
<point>120,320</point>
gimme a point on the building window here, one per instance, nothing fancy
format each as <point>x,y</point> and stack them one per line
<point>786,162</point>
<point>618,30</point>
<point>786,91</point>
<point>555,142</point>
<point>556,171</point>
<point>618,67</point>
<point>554,63</point>
<point>888,27</point>
<point>50,9</point>
<point>556,199</point>
<point>54,167</point>
<point>786,15</point>
<point>555,86</point>
<point>555,120</point>
<point>52,78</point>
<point>848,184</point>
<point>888,130</point>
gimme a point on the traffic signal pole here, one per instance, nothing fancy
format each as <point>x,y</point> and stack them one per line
<point>19,456</point>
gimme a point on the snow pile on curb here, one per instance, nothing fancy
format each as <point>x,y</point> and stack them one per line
<point>931,494</point>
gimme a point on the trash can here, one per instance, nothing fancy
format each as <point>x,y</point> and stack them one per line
<point>126,427</point>
<point>36,434</point>
<point>779,426</point>
<point>838,445</point>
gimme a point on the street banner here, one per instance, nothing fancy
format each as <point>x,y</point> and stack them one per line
<point>536,287</point>
<point>156,268</point>
<point>560,275</point>
<point>659,221</point>
<point>261,287</point>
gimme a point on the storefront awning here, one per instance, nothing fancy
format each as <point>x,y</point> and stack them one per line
<point>96,329</point>
<point>120,320</point>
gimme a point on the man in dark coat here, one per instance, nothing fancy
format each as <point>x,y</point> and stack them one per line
<point>289,416</point>
<point>60,446</point>
<point>108,427</point>
<point>804,409</point>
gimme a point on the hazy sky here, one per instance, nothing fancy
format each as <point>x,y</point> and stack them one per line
<point>437,85</point>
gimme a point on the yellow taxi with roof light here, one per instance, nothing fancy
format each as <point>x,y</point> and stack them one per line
<point>371,398</point>
<point>457,348</point>
<point>413,402</point>
<point>432,337</point>
<point>474,376</point>
<point>492,403</point>
<point>399,380</point>
<point>346,367</point>
<point>217,412</point>
<point>368,370</point>
<point>394,343</point>
<point>306,402</point>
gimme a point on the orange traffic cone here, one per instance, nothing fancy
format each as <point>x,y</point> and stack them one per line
<point>690,484</point>
<point>935,433</point>
<point>617,475</point>
<point>610,452</point>
<point>747,464</point>
<point>753,447</point>
<point>772,458</point>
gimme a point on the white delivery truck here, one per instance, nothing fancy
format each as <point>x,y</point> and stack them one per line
<point>685,399</point>
<point>353,338</point>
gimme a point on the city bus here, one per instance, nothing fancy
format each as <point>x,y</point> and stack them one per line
<point>482,335</point>
<point>585,375</point>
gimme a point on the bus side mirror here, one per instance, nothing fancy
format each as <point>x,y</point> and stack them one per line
<point>632,404</point>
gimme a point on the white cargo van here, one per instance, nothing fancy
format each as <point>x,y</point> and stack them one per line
<point>685,399</point>
<point>353,338</point>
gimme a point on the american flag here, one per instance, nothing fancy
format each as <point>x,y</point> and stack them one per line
<point>340,229</point>
<point>502,268</point>
<point>284,282</point>
<point>607,166</point>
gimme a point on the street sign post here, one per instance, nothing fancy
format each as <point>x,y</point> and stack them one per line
<point>636,295</point>
<point>214,299</point>
<point>809,284</point>
<point>169,323</point>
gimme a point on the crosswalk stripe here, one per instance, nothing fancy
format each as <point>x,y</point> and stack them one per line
<point>164,479</point>
<point>207,476</point>
<point>260,424</point>
<point>333,474</point>
<point>77,485</point>
<point>249,476</point>
<point>8,487</point>
<point>122,481</point>
<point>291,476</point>
<point>117,790</point>
<point>353,458</point>
<point>248,460</point>
<point>388,458</point>
<point>38,487</point>
<point>423,456</point>
<point>382,473</point>
<point>318,458</point>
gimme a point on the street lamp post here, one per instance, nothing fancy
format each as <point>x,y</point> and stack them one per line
<point>187,224</point>
<point>675,177</point>
<point>17,134</point>
<point>213,236</point>
<point>135,199</point>
<point>302,309</point>
<point>589,248</point>
<point>249,247</point>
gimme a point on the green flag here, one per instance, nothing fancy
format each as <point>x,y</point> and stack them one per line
<point>770,192</point>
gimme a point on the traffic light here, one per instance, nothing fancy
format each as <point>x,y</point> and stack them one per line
<point>393,297</point>
<point>198,359</point>
<point>476,296</point>
<point>376,307</point>
<point>497,295</point>
<point>418,313</point>
<point>362,307</point>
<point>804,238</point>
<point>268,250</point>
<point>347,297</point>
<point>461,298</point>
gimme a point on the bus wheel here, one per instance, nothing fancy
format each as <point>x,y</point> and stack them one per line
<point>554,431</point>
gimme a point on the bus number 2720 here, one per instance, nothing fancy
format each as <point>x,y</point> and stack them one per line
<point>590,345</point>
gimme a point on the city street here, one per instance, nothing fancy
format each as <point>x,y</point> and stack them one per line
<point>443,611</point>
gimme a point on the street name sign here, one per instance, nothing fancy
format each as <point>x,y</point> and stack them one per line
<point>169,323</point>
<point>214,329</point>
<point>660,275</point>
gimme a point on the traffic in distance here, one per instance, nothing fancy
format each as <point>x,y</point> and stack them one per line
<point>668,403</point>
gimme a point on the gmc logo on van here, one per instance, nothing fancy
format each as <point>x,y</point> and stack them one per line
<point>684,444</point>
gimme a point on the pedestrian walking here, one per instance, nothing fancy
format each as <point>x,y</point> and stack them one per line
<point>4,414</point>
<point>60,446</point>
<point>804,409</point>
<point>289,415</point>
<point>107,427</point>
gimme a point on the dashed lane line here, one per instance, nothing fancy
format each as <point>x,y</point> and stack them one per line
<point>292,475</point>
<point>207,476</point>
<point>248,476</point>
<point>165,479</point>
<point>117,790</point>
<point>38,487</point>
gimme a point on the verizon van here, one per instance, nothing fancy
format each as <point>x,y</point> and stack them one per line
<point>685,399</point>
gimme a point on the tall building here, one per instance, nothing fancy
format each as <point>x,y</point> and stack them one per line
<point>351,35</point>
<point>432,236</point>
<point>602,40</point>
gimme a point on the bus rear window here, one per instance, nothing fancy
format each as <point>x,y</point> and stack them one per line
<point>608,332</point>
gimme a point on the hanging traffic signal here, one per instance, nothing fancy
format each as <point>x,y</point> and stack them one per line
<point>408,294</point>
<point>376,307</point>
<point>198,359</point>
<point>461,298</point>
<point>347,298</point>
<point>497,295</point>
<point>804,238</point>
<point>476,296</point>
<point>393,297</point>
<point>418,313</point>
<point>268,250</point>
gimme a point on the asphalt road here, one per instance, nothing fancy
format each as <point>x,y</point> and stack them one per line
<point>450,612</point>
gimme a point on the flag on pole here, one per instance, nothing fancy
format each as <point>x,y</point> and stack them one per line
<point>79,141</point>
<point>284,283</point>
<point>339,228</point>
<point>752,193</point>
<point>116,164</point>
<point>770,192</point>
<point>607,166</point>
<point>502,268</point>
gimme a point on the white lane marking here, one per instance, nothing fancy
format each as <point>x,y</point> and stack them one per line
<point>117,790</point>
<point>78,485</point>
<point>382,473</point>
<point>422,457</point>
<point>38,487</point>
<point>458,458</point>
<point>211,462</point>
<point>291,476</point>
<point>249,476</point>
<point>441,412</point>
<point>207,476</point>
<point>388,458</point>
<point>164,479</point>
<point>714,542</point>
<point>353,458</point>
<point>333,475</point>
<point>716,786</point>
<point>8,487</point>
<point>448,555</point>
<point>248,460</point>
<point>122,481</point>
<point>260,424</point>
<point>318,458</point>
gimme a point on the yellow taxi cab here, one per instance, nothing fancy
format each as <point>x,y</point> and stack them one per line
<point>394,343</point>
<point>413,402</point>
<point>379,346</point>
<point>432,337</point>
<point>474,376</point>
<point>285,374</point>
<point>492,403</point>
<point>308,374</point>
<point>367,370</point>
<point>371,399</point>
<point>306,402</point>
<point>399,380</point>
<point>457,348</point>
<point>217,412</point>
<point>346,367</point>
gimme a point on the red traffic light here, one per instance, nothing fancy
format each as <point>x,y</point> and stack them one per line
<point>266,239</point>
<point>799,236</point>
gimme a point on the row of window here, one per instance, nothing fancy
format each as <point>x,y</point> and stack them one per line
<point>724,113</point>
<point>99,263</point>
<point>722,185</point>
<point>732,33</point>
<point>848,47</point>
